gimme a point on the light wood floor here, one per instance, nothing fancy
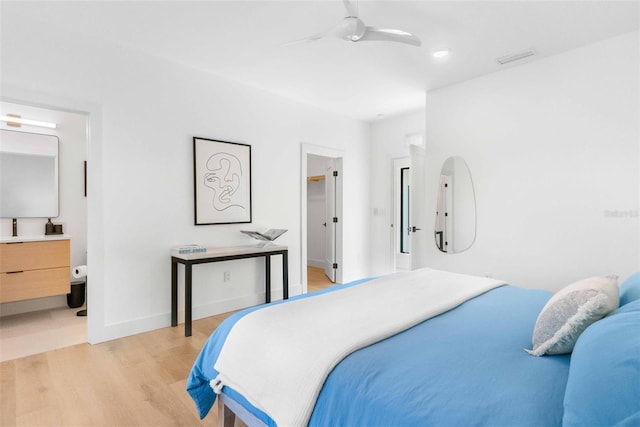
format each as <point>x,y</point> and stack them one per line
<point>39,331</point>
<point>133,381</point>
<point>316,279</point>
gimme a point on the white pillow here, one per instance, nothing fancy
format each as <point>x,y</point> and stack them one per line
<point>570,311</point>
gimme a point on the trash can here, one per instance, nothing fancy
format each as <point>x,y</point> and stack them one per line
<point>76,298</point>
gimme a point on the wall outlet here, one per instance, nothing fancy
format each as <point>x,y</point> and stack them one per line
<point>227,276</point>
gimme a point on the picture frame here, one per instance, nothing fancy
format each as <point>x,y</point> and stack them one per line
<point>222,182</point>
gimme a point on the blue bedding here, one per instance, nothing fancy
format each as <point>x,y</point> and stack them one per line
<point>464,367</point>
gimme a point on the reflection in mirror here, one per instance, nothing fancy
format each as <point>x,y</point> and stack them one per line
<point>455,228</point>
<point>28,175</point>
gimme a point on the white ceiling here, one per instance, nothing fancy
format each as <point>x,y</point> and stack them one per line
<point>244,41</point>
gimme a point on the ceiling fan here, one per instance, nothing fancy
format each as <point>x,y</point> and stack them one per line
<point>352,29</point>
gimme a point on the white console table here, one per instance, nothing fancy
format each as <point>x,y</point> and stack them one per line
<point>216,254</point>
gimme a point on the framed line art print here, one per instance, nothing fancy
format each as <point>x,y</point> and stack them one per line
<point>222,181</point>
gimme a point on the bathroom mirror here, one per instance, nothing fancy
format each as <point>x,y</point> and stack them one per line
<point>455,228</point>
<point>28,175</point>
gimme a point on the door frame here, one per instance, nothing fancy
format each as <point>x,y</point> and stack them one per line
<point>397,166</point>
<point>305,150</point>
<point>96,330</point>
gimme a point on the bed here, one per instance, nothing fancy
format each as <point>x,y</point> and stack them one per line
<point>464,364</point>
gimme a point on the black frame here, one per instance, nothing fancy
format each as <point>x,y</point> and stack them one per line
<point>215,147</point>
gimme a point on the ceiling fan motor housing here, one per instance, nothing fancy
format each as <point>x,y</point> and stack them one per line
<point>354,28</point>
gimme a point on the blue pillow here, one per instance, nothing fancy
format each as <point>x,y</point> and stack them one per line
<point>603,388</point>
<point>630,289</point>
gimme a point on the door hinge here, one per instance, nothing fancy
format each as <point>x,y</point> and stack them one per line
<point>335,219</point>
<point>335,173</point>
<point>335,265</point>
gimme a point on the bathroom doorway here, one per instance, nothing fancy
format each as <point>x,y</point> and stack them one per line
<point>42,324</point>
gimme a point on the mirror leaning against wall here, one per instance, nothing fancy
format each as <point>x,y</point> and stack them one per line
<point>455,228</point>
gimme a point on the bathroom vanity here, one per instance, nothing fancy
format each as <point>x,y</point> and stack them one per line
<point>34,267</point>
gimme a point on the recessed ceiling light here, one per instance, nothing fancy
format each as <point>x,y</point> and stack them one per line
<point>442,53</point>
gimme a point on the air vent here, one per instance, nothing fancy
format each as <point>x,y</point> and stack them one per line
<point>516,56</point>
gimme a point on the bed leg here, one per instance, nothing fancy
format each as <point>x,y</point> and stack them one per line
<point>226,417</point>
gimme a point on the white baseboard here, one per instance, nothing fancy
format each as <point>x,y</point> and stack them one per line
<point>150,323</point>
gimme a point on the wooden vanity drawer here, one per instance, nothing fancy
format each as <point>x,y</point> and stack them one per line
<point>34,284</point>
<point>34,255</point>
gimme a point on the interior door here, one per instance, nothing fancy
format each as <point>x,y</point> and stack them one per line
<point>421,235</point>
<point>402,213</point>
<point>330,183</point>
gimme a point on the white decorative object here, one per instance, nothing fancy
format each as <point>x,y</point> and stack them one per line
<point>267,237</point>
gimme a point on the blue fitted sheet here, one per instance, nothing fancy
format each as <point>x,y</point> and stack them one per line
<point>464,367</point>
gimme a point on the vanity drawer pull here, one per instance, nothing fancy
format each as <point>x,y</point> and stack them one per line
<point>15,272</point>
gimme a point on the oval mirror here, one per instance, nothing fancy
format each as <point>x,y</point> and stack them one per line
<point>455,229</point>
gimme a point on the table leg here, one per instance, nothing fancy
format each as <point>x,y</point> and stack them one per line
<point>174,293</point>
<point>187,300</point>
<point>285,275</point>
<point>267,275</point>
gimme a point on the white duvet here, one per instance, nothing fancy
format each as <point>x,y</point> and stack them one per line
<point>279,357</point>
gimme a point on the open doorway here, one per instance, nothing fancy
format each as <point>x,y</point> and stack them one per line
<point>410,213</point>
<point>321,217</point>
<point>321,228</point>
<point>49,321</point>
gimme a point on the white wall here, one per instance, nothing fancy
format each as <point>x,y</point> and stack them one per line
<point>387,142</point>
<point>72,134</point>
<point>144,113</point>
<point>553,148</point>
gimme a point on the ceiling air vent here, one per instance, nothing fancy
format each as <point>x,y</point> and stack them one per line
<point>516,56</point>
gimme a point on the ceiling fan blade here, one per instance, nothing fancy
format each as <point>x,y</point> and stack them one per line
<point>305,40</point>
<point>382,34</point>
<point>352,10</point>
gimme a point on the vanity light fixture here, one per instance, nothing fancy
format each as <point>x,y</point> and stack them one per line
<point>15,120</point>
